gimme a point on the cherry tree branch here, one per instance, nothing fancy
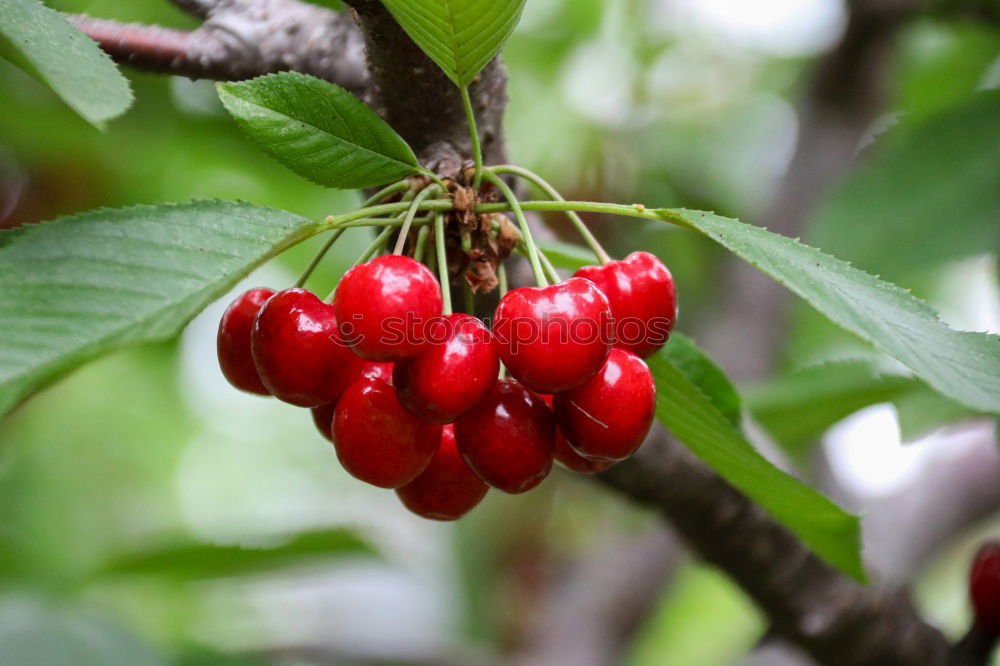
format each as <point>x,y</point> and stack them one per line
<point>834,619</point>
<point>241,39</point>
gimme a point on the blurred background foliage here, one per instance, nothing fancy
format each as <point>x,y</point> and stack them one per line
<point>152,515</point>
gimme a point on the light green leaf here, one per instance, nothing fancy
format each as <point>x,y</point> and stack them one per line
<point>318,130</point>
<point>963,366</point>
<point>43,43</point>
<point>689,414</point>
<point>702,371</point>
<point>798,407</point>
<point>83,285</point>
<point>937,186</point>
<point>191,560</point>
<point>566,255</point>
<point>461,36</point>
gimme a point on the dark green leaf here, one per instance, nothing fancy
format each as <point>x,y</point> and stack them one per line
<point>964,366</point>
<point>83,285</point>
<point>690,415</point>
<point>937,187</point>
<point>318,130</point>
<point>196,560</point>
<point>702,371</point>
<point>43,43</point>
<point>461,36</point>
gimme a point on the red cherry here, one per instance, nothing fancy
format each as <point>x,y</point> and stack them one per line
<point>553,338</point>
<point>385,306</point>
<point>608,417</point>
<point>455,371</point>
<point>643,300</point>
<point>508,438</point>
<point>573,461</point>
<point>447,489</point>
<point>570,459</point>
<point>377,439</point>
<point>233,341</point>
<point>298,352</point>
<point>323,419</point>
<point>984,587</point>
<point>373,370</point>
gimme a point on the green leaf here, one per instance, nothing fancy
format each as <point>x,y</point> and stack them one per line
<point>798,407</point>
<point>83,285</point>
<point>937,186</point>
<point>43,43</point>
<point>702,371</point>
<point>961,365</point>
<point>566,255</point>
<point>192,560</point>
<point>832,533</point>
<point>461,36</point>
<point>318,130</point>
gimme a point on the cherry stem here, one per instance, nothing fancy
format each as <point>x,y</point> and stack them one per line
<point>468,298</point>
<point>550,191</point>
<point>502,279</point>
<point>477,151</point>
<point>318,257</point>
<point>418,251</point>
<point>408,218</point>
<point>536,266</point>
<point>442,262</point>
<point>386,192</point>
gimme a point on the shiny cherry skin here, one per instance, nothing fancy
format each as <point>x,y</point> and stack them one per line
<point>643,300</point>
<point>607,418</point>
<point>508,438</point>
<point>456,370</point>
<point>233,341</point>
<point>298,352</point>
<point>384,307</point>
<point>570,459</point>
<point>984,588</point>
<point>553,338</point>
<point>373,370</point>
<point>377,439</point>
<point>323,415</point>
<point>447,489</point>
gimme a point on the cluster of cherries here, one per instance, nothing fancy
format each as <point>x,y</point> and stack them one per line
<point>413,400</point>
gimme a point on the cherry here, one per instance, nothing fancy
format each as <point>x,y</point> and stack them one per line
<point>323,418</point>
<point>570,459</point>
<point>573,461</point>
<point>373,370</point>
<point>984,587</point>
<point>377,439</point>
<point>233,341</point>
<point>553,338</point>
<point>447,489</point>
<point>643,300</point>
<point>608,417</point>
<point>384,307</point>
<point>508,438</point>
<point>455,371</point>
<point>298,352</point>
